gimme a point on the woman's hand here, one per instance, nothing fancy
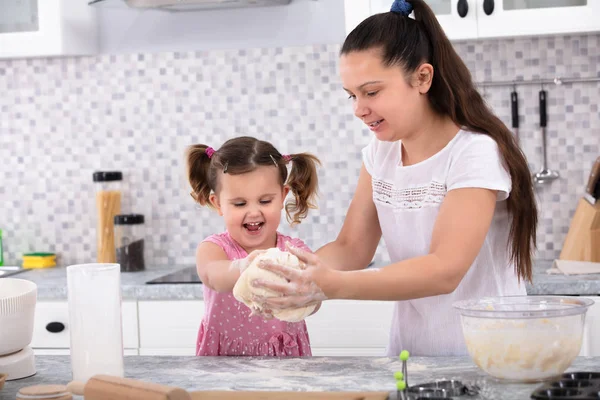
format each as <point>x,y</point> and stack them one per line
<point>304,287</point>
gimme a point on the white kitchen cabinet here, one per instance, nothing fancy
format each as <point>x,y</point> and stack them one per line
<point>538,17</point>
<point>51,327</point>
<point>40,28</point>
<point>509,18</point>
<point>340,328</point>
<point>169,327</point>
<point>455,26</point>
<point>350,328</point>
<point>591,330</point>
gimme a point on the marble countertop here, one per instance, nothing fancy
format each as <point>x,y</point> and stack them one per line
<point>293,374</point>
<point>559,284</point>
<point>52,284</point>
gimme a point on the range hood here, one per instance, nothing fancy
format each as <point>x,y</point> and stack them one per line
<point>186,5</point>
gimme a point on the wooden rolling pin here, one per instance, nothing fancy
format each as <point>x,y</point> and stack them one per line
<point>102,387</point>
<point>227,395</point>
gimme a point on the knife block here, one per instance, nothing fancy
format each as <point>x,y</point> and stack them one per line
<point>583,239</point>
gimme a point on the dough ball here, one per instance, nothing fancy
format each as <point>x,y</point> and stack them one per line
<point>243,290</point>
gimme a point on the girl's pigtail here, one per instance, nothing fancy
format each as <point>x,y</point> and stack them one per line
<point>303,183</point>
<point>198,167</point>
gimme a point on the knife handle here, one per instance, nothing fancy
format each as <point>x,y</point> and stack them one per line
<point>594,175</point>
<point>514,105</point>
<point>543,117</point>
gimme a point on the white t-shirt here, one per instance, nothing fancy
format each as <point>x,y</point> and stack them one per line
<point>408,200</point>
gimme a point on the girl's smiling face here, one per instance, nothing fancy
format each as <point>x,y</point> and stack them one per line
<point>251,205</point>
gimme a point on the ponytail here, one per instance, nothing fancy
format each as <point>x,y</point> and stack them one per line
<point>303,183</point>
<point>198,169</point>
<point>409,43</point>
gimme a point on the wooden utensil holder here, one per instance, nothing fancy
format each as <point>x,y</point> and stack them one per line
<point>583,239</point>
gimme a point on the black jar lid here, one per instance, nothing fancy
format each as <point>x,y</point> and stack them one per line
<point>129,219</point>
<point>106,176</point>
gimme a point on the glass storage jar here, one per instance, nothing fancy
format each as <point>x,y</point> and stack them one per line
<point>129,242</point>
<point>108,204</point>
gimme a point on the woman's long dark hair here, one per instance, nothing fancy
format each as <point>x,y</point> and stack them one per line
<point>407,43</point>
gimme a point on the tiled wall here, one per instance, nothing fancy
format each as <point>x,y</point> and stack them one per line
<point>62,119</point>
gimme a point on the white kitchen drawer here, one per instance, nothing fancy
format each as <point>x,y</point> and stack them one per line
<point>47,312</point>
<point>169,324</point>
<point>350,324</point>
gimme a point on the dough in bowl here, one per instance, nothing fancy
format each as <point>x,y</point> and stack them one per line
<point>243,290</point>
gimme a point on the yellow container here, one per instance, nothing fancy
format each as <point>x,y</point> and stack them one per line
<point>39,260</point>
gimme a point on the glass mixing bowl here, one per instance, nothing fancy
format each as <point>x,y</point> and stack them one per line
<point>523,338</point>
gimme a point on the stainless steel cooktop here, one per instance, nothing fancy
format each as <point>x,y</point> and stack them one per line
<point>185,275</point>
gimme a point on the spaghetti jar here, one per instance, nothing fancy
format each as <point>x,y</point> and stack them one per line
<point>108,204</point>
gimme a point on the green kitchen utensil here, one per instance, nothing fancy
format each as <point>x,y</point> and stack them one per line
<point>404,354</point>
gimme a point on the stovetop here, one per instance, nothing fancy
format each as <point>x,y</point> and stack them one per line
<point>182,276</point>
<point>186,276</point>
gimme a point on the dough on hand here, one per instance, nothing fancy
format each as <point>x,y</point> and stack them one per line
<point>243,290</point>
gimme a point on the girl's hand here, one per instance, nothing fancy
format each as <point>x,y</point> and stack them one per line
<point>242,263</point>
<point>303,287</point>
<point>264,313</point>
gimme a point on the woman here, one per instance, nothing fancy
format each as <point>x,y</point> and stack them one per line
<point>443,182</point>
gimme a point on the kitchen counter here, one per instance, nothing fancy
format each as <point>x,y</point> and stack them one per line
<point>52,284</point>
<point>559,284</point>
<point>304,374</point>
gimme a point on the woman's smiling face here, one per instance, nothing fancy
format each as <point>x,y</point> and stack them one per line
<point>381,96</point>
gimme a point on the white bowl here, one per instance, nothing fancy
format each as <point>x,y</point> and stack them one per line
<point>17,309</point>
<point>523,338</point>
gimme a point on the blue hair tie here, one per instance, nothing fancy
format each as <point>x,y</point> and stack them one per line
<point>402,7</point>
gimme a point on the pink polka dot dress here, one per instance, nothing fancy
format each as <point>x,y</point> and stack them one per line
<point>227,329</point>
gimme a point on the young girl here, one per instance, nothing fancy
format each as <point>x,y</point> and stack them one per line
<point>443,183</point>
<point>247,181</point>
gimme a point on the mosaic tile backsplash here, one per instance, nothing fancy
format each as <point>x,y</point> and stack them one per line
<point>61,119</point>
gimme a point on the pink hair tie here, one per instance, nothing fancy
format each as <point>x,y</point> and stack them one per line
<point>209,151</point>
<point>287,158</point>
